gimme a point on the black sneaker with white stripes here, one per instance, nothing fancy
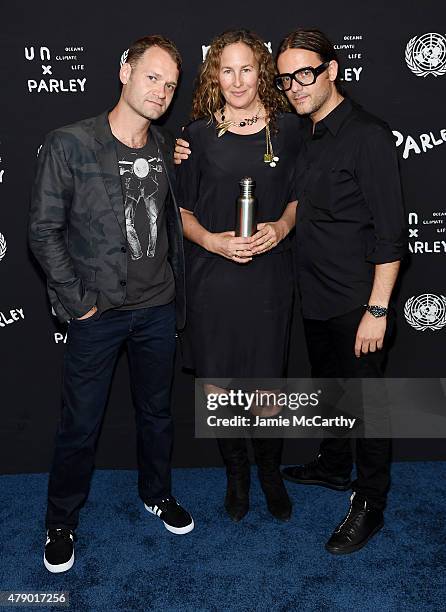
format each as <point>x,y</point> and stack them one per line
<point>59,550</point>
<point>175,518</point>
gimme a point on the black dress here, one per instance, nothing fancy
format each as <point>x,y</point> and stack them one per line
<point>238,315</point>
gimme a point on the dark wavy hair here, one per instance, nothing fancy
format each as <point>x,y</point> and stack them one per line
<point>208,99</point>
<point>312,40</point>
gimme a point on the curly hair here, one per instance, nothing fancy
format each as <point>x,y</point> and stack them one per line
<point>208,99</point>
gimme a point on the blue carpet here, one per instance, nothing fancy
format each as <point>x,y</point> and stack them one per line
<point>126,560</point>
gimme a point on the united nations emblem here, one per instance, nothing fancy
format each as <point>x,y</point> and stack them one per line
<point>426,54</point>
<point>124,57</point>
<point>426,311</point>
<point>2,246</point>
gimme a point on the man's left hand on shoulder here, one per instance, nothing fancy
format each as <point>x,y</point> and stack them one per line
<point>370,334</point>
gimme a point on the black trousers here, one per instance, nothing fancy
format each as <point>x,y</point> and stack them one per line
<point>92,349</point>
<point>331,351</point>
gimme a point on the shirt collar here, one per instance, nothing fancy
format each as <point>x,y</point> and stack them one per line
<point>334,120</point>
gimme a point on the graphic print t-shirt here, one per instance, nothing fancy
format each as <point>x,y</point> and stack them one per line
<point>145,189</point>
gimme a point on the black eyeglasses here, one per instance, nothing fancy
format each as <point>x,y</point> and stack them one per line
<point>303,76</point>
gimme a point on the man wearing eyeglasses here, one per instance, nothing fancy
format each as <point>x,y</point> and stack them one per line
<point>350,238</point>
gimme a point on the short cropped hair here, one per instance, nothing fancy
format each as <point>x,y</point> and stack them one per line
<point>140,46</point>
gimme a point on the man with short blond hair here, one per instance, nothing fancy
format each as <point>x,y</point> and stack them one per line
<point>105,227</point>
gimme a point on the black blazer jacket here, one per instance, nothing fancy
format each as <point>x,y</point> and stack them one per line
<point>77,226</point>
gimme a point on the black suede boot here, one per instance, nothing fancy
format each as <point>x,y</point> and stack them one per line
<point>238,472</point>
<point>268,454</point>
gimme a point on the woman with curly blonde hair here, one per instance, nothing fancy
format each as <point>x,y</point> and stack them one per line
<point>240,290</point>
<point>208,97</point>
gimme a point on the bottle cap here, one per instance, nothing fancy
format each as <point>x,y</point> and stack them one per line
<point>247,181</point>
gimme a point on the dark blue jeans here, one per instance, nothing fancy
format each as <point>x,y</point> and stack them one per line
<point>92,349</point>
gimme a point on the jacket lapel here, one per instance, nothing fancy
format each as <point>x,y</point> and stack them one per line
<point>108,163</point>
<point>167,155</point>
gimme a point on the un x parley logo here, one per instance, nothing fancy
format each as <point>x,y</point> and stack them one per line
<point>204,52</point>
<point>124,57</point>
<point>426,54</point>
<point>426,311</point>
<point>2,246</point>
<point>205,49</point>
<point>413,220</point>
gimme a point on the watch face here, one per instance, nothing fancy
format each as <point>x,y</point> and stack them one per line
<point>377,311</point>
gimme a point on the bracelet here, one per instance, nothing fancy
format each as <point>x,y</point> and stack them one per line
<point>376,311</point>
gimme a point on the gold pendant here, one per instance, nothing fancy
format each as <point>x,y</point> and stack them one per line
<point>223,127</point>
<point>267,158</point>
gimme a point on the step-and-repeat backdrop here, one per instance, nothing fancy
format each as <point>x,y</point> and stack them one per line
<point>59,63</point>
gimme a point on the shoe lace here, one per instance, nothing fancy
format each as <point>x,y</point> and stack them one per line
<point>61,534</point>
<point>164,503</point>
<point>169,500</point>
<point>351,519</point>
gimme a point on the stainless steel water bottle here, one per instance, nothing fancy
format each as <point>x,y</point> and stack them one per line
<point>246,210</point>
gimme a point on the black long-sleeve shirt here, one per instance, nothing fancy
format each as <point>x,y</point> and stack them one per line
<point>350,214</point>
